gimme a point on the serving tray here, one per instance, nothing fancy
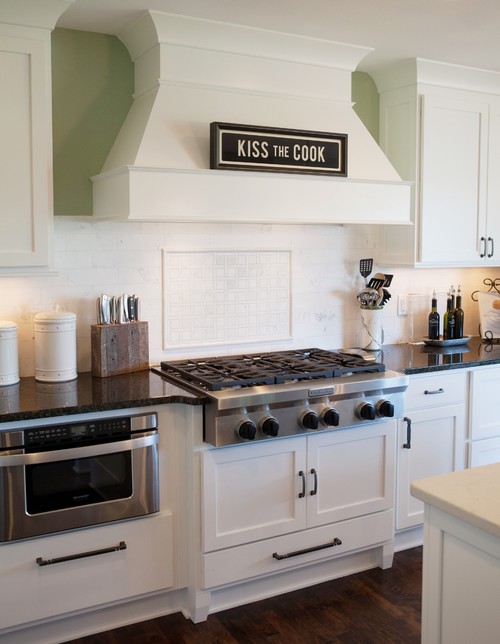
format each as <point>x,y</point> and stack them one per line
<point>447,343</point>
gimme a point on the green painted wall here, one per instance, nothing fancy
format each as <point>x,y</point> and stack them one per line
<point>92,86</point>
<point>366,101</point>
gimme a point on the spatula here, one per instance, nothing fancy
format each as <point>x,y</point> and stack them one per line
<point>365,267</point>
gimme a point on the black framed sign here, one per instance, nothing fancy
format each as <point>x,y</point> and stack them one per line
<point>249,147</point>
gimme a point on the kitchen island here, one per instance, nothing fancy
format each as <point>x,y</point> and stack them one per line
<point>461,568</point>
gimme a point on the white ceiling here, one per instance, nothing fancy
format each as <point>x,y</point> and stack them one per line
<point>463,32</point>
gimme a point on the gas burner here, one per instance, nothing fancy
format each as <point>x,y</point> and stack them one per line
<point>248,370</point>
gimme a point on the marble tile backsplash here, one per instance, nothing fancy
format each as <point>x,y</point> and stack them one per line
<point>225,297</point>
<point>126,257</point>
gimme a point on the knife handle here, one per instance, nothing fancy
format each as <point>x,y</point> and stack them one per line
<point>131,307</point>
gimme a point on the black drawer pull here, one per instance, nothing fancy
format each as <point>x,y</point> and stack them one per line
<point>81,555</point>
<point>431,392</point>
<point>304,551</point>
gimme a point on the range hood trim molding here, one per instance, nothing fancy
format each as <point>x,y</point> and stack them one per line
<point>186,195</point>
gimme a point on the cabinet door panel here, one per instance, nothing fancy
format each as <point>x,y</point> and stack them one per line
<point>485,385</point>
<point>452,204</point>
<point>355,473</point>
<point>493,214</point>
<point>25,170</point>
<point>437,446</point>
<point>252,492</point>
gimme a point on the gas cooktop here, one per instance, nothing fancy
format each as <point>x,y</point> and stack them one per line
<point>248,370</point>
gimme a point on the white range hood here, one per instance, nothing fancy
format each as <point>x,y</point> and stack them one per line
<point>191,72</point>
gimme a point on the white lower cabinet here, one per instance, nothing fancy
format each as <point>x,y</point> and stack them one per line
<point>484,445</point>
<point>279,504</point>
<point>30,591</point>
<point>431,438</point>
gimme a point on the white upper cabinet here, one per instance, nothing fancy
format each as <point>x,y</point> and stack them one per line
<point>440,127</point>
<point>26,133</point>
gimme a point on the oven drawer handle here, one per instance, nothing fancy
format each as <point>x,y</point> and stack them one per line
<point>81,555</point>
<point>144,440</point>
<point>304,551</point>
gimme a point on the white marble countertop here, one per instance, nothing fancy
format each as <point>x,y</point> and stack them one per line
<point>471,495</point>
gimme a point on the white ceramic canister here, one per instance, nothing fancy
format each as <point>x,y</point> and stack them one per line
<point>9,362</point>
<point>55,346</point>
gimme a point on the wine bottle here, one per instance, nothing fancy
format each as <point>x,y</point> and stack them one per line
<point>449,319</point>
<point>434,319</point>
<point>459,316</point>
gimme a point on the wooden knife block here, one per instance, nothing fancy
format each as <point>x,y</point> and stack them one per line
<point>119,348</point>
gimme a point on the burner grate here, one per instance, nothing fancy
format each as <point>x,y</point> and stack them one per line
<point>277,367</point>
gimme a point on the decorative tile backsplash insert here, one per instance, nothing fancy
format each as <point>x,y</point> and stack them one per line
<point>225,297</point>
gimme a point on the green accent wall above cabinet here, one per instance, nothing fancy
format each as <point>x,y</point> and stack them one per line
<point>92,87</point>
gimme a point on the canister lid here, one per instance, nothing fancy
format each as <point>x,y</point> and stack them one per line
<point>55,317</point>
<point>7,325</point>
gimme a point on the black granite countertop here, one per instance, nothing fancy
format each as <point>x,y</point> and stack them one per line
<point>420,358</point>
<point>30,399</point>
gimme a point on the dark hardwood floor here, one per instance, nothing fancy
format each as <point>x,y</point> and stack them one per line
<point>379,606</point>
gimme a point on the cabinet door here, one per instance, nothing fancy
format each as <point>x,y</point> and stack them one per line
<point>436,446</point>
<point>493,203</point>
<point>484,389</point>
<point>351,473</point>
<point>25,155</point>
<point>453,184</point>
<point>253,492</point>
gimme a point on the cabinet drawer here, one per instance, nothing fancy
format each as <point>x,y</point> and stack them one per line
<point>484,452</point>
<point>256,559</point>
<point>432,390</point>
<point>32,592</point>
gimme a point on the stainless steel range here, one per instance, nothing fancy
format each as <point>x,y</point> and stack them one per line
<point>265,396</point>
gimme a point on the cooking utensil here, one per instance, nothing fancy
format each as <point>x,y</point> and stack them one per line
<point>376,282</point>
<point>137,306</point>
<point>388,281</point>
<point>386,297</point>
<point>365,267</point>
<point>368,297</point>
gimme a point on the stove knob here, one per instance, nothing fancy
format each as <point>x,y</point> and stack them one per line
<point>330,417</point>
<point>366,411</point>
<point>385,409</point>
<point>246,430</point>
<point>309,419</point>
<point>270,426</point>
